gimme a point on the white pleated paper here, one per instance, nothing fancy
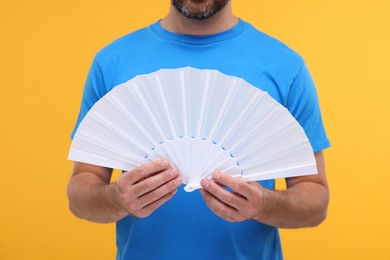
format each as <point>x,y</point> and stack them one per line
<point>201,120</point>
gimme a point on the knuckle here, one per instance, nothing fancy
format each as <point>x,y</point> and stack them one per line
<point>169,196</point>
<point>142,170</point>
<point>120,184</point>
<point>166,177</point>
<point>156,206</point>
<point>123,196</point>
<point>229,199</point>
<point>133,208</point>
<point>148,185</point>
<point>143,214</point>
<point>221,210</point>
<point>153,195</point>
<point>237,187</point>
<point>171,186</point>
<point>174,184</point>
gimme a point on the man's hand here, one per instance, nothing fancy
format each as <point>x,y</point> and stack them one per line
<point>245,202</point>
<point>303,204</point>
<point>138,192</point>
<point>144,189</point>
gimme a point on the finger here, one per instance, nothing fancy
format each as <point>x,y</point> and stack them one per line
<point>146,170</point>
<point>237,185</point>
<point>219,208</point>
<point>224,195</point>
<point>159,192</point>
<point>149,209</point>
<point>149,184</point>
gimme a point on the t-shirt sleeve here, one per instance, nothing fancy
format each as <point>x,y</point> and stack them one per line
<point>93,91</point>
<point>303,104</point>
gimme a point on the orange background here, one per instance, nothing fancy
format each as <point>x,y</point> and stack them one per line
<point>46,48</point>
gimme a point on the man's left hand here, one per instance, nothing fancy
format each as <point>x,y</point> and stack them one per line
<point>244,201</point>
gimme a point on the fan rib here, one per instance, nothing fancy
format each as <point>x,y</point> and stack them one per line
<point>242,114</point>
<point>149,112</point>
<point>183,97</point>
<point>223,110</point>
<point>277,137</point>
<point>202,110</point>
<point>105,123</point>
<point>79,155</point>
<point>165,106</point>
<point>208,157</point>
<point>255,129</point>
<point>299,170</point>
<point>211,168</point>
<point>103,145</point>
<point>116,104</point>
<point>298,149</point>
<point>188,155</point>
<point>113,151</point>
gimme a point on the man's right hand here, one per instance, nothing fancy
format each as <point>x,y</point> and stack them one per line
<point>144,189</point>
<point>138,192</point>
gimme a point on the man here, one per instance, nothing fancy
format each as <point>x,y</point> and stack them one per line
<point>155,218</point>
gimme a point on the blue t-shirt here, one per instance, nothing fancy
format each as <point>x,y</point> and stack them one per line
<point>184,227</point>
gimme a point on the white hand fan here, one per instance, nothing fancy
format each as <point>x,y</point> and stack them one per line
<point>203,121</point>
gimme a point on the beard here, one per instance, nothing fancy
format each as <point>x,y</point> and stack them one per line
<point>199,9</point>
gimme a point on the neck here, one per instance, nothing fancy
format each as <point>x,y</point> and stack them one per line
<point>178,23</point>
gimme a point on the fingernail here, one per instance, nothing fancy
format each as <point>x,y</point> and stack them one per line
<point>174,172</point>
<point>216,176</point>
<point>178,181</point>
<point>165,163</point>
<point>205,183</point>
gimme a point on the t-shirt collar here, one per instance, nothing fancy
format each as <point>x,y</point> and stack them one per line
<point>199,39</point>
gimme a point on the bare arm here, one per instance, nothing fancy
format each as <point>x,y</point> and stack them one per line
<point>303,204</point>
<point>138,192</point>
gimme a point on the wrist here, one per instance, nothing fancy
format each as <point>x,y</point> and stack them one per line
<point>264,206</point>
<point>119,209</point>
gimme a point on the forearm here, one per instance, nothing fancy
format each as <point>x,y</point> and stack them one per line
<point>92,199</point>
<point>303,205</point>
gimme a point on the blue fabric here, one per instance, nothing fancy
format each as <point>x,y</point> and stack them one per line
<point>184,228</point>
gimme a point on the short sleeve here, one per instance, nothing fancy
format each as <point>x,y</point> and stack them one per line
<point>93,91</point>
<point>303,104</point>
